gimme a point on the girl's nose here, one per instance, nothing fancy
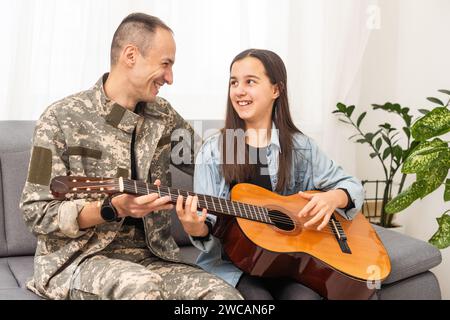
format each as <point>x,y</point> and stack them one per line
<point>240,91</point>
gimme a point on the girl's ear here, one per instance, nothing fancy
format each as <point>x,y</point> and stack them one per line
<point>276,91</point>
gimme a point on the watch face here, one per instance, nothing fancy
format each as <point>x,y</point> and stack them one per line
<point>108,213</point>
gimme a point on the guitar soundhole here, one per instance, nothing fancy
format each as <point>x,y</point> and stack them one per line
<point>281,221</point>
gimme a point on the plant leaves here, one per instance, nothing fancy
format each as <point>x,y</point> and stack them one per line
<point>404,199</point>
<point>434,178</point>
<point>424,111</point>
<point>369,136</point>
<point>407,132</point>
<point>395,134</point>
<point>378,144</point>
<point>397,151</point>
<point>360,118</point>
<point>389,107</point>
<point>425,155</point>
<point>434,123</point>
<point>435,100</point>
<point>345,121</point>
<point>341,107</point>
<point>441,239</point>
<point>373,155</point>
<point>386,153</point>
<point>350,111</point>
<point>386,138</point>
<point>407,119</point>
<point>445,91</point>
<point>447,190</point>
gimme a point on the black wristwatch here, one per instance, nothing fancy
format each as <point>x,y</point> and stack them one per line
<point>107,211</point>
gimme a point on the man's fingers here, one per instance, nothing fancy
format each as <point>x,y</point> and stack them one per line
<point>148,198</point>
<point>160,202</point>
<point>165,207</point>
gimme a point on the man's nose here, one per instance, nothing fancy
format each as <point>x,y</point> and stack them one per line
<point>168,76</point>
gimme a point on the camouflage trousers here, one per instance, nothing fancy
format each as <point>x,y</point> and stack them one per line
<point>126,269</point>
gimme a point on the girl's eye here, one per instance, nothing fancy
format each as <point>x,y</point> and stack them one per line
<point>233,83</point>
<point>250,81</point>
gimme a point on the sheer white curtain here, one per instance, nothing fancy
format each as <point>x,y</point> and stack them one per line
<point>52,48</point>
<point>328,39</point>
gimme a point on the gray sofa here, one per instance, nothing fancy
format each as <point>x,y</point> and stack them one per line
<point>411,259</point>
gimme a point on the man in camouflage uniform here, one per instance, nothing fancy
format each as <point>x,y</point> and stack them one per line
<point>91,133</point>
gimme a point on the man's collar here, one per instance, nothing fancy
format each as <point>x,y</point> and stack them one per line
<point>114,114</point>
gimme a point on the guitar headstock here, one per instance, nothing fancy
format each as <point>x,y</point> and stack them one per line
<point>69,187</point>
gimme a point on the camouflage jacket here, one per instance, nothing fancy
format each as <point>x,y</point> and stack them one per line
<point>89,135</point>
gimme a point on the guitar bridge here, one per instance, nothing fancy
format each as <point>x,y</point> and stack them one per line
<point>339,234</point>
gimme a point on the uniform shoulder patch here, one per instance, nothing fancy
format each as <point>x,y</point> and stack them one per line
<point>40,166</point>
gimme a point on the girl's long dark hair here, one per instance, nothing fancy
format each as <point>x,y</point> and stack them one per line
<point>236,172</point>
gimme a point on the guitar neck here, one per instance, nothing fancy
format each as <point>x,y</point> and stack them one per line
<point>214,205</point>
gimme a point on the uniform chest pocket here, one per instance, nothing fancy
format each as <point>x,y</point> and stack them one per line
<point>84,161</point>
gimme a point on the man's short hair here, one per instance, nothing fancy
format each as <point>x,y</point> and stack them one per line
<point>136,29</point>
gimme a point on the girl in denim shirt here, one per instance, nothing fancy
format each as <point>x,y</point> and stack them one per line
<point>276,156</point>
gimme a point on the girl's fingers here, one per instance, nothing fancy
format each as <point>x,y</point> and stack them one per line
<point>179,206</point>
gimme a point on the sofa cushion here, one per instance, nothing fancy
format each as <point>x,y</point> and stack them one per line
<point>19,239</point>
<point>14,273</point>
<point>423,286</point>
<point>18,294</point>
<point>7,279</point>
<point>22,268</point>
<point>409,256</point>
<point>3,248</point>
<point>16,135</point>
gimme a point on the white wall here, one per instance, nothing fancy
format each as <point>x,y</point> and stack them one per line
<point>407,60</point>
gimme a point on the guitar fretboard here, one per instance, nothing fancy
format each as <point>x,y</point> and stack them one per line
<point>210,203</point>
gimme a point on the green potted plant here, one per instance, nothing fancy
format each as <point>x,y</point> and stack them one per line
<point>384,145</point>
<point>430,162</point>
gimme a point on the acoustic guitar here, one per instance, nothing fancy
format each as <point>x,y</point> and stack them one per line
<point>263,236</point>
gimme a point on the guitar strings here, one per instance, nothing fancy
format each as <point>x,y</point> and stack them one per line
<point>141,189</point>
<point>241,205</point>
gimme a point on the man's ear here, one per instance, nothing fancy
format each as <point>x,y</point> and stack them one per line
<point>129,55</point>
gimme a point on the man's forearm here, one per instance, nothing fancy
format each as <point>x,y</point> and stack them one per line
<point>90,215</point>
